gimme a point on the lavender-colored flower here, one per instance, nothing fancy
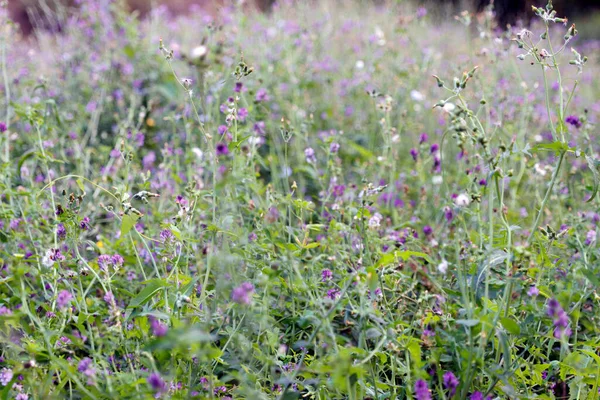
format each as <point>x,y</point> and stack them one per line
<point>156,382</point>
<point>222,149</point>
<point>427,230</point>
<point>326,275</point>
<point>52,256</point>
<point>560,319</point>
<point>84,224</point>
<point>61,231</point>
<point>334,147</point>
<point>238,87</point>
<point>421,12</point>
<point>6,376</point>
<point>434,148</point>
<point>422,390</point>
<point>590,237</point>
<point>104,262</point>
<point>158,328</point>
<point>5,310</point>
<point>242,114</point>
<point>243,293</point>
<point>63,299</point>
<point>261,95</point>
<point>3,127</point>
<point>85,366</point>
<point>166,236</point>
<point>333,293</point>
<point>423,138</point>
<point>22,396</point>
<point>309,153</point>
<point>450,382</point>
<point>219,389</point>
<point>117,261</point>
<point>109,297</point>
<point>222,129</point>
<point>533,291</point>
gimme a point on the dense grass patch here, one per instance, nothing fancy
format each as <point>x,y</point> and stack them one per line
<point>328,201</point>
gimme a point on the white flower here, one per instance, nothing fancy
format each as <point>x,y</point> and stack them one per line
<point>462,200</point>
<point>449,107</point>
<point>199,52</point>
<point>375,221</point>
<point>416,95</point>
<point>437,180</point>
<point>360,64</point>
<point>443,267</point>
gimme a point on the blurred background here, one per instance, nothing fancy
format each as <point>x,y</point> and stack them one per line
<point>30,13</point>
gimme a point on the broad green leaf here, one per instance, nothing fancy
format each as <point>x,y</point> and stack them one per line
<point>127,223</point>
<point>511,326</point>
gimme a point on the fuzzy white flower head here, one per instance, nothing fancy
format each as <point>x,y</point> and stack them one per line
<point>443,267</point>
<point>416,95</point>
<point>375,221</point>
<point>199,52</point>
<point>462,200</point>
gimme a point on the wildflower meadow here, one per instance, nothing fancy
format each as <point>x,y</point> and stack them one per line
<point>328,200</point>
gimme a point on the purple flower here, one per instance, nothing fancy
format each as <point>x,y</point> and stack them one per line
<point>423,138</point>
<point>414,153</point>
<point>3,127</point>
<point>421,390</point>
<point>259,128</point>
<point>326,275</point>
<point>334,147</point>
<point>61,231</point>
<point>5,310</point>
<point>166,235</point>
<point>156,382</point>
<point>104,262</point>
<point>560,319</point>
<point>6,376</point>
<point>333,293</point>
<point>590,237</point>
<point>533,291</point>
<point>573,120</point>
<point>84,224</point>
<point>309,153</point>
<point>109,297</point>
<point>262,95</point>
<point>85,366</point>
<point>242,114</point>
<point>63,299</point>
<point>427,230</point>
<point>158,328</point>
<point>238,87</point>
<point>243,293</point>
<point>117,261</point>
<point>434,148</point>
<point>222,149</point>
<point>222,129</point>
<point>450,383</point>
<point>476,396</point>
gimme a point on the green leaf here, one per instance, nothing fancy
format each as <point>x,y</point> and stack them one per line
<point>595,168</point>
<point>147,293</point>
<point>80,184</point>
<point>511,326</point>
<point>556,147</point>
<point>127,223</point>
<point>389,258</point>
<point>467,322</point>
